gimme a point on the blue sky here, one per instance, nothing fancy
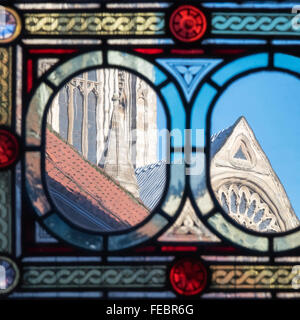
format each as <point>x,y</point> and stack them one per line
<point>270,101</point>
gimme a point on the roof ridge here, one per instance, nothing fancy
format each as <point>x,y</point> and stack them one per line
<point>97,168</point>
<point>150,166</point>
<point>214,136</point>
<point>93,192</point>
<point>218,139</point>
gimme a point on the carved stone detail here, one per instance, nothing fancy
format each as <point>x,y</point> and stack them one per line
<point>241,173</point>
<point>124,122</point>
<point>188,227</point>
<point>45,64</point>
<point>247,207</point>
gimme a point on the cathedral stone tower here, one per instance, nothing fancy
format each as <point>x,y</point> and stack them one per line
<point>109,116</point>
<point>245,183</point>
<point>117,162</point>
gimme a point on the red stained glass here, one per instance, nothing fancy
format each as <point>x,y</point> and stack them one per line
<point>149,51</point>
<point>29,75</point>
<point>184,51</point>
<point>188,277</point>
<point>52,51</point>
<point>178,248</point>
<point>188,23</point>
<point>9,148</point>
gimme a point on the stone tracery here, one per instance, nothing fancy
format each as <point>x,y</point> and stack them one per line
<point>245,183</point>
<point>247,207</point>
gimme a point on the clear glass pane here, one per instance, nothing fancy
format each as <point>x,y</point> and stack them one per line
<point>105,157</point>
<point>252,142</point>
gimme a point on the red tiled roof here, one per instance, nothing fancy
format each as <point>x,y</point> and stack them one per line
<point>73,179</point>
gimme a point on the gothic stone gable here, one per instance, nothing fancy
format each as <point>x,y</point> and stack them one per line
<point>245,183</point>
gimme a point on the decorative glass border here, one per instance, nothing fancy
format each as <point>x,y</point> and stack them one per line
<point>274,275</point>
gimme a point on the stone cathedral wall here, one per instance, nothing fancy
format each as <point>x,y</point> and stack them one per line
<point>83,112</point>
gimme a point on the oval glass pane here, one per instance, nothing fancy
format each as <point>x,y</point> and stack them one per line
<point>105,159</point>
<point>254,167</point>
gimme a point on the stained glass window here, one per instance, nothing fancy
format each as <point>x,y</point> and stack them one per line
<point>149,150</point>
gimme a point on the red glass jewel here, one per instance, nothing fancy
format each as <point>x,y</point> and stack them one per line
<point>9,148</point>
<point>188,23</point>
<point>188,276</point>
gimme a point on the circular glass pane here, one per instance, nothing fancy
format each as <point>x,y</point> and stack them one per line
<point>10,24</point>
<point>8,275</point>
<point>105,164</point>
<point>254,167</point>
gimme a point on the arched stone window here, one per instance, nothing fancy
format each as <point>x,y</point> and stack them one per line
<point>63,101</point>
<point>77,124</point>
<point>92,127</point>
<point>92,75</point>
<point>247,207</point>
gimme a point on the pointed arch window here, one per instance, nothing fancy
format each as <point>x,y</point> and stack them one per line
<point>92,127</point>
<point>78,115</point>
<point>92,75</point>
<point>63,102</point>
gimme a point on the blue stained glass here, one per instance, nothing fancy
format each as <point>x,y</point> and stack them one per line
<point>200,108</point>
<point>176,109</point>
<point>7,30</point>
<point>238,66</point>
<point>286,61</point>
